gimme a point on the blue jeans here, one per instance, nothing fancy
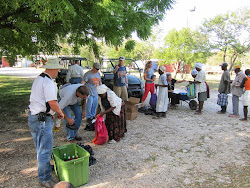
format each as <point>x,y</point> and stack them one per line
<point>91,106</point>
<point>76,108</point>
<point>75,80</point>
<point>43,138</point>
<point>235,100</point>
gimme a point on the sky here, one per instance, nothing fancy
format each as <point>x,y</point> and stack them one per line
<point>181,16</point>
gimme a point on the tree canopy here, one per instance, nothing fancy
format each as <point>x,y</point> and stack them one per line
<point>229,33</point>
<point>34,26</point>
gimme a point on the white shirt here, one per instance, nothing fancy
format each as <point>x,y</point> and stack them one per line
<point>68,95</point>
<point>42,91</point>
<point>75,71</point>
<point>201,77</point>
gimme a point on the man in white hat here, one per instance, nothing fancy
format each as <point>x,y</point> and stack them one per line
<point>43,105</point>
<point>121,80</point>
<point>91,80</point>
<point>200,86</point>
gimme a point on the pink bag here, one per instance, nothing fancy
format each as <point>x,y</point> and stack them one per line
<point>101,133</point>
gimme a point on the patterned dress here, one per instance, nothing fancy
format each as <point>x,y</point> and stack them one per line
<point>116,125</point>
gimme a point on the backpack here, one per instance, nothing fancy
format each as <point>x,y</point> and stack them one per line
<point>101,133</point>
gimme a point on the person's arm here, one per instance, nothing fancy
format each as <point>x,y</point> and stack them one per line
<point>180,81</point>
<point>107,111</point>
<point>243,82</point>
<point>55,107</point>
<point>69,120</point>
<point>85,78</point>
<point>226,82</point>
<point>147,79</point>
<point>83,108</point>
<point>115,69</point>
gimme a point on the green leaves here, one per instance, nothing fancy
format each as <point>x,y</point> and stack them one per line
<point>81,21</point>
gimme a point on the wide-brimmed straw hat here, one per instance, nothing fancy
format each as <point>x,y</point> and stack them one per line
<point>53,63</point>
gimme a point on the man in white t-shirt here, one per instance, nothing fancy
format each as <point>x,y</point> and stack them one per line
<point>200,86</point>
<point>75,73</point>
<point>43,105</point>
<point>70,96</point>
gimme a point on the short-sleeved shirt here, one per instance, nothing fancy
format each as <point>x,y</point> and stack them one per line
<point>120,76</point>
<point>92,81</point>
<point>171,84</point>
<point>75,71</point>
<point>43,90</point>
<point>201,77</point>
<point>149,75</point>
<point>68,95</point>
<point>225,77</point>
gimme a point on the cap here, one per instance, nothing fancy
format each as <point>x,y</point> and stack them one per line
<point>194,72</point>
<point>121,58</point>
<point>97,66</point>
<point>237,67</point>
<point>224,64</point>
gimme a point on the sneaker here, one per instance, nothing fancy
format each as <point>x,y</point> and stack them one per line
<point>78,138</point>
<point>73,141</point>
<point>234,116</point>
<point>89,120</point>
<point>47,184</point>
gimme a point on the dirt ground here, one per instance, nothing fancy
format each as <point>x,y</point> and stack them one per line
<point>182,150</point>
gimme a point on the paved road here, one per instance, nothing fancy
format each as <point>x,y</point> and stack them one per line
<point>21,72</point>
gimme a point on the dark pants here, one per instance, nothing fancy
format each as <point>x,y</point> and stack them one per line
<point>223,108</point>
<point>174,98</point>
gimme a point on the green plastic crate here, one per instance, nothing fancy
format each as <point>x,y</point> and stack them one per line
<point>75,171</point>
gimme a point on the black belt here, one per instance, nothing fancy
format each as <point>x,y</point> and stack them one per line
<point>75,77</point>
<point>43,112</point>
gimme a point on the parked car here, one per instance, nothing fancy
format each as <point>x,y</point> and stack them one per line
<point>135,84</point>
<point>66,62</point>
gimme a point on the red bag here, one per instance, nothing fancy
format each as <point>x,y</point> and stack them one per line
<point>101,133</point>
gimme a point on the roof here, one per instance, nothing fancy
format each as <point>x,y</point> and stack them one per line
<point>73,58</point>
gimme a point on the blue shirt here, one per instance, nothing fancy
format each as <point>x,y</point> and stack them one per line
<point>119,76</point>
<point>149,75</point>
<point>92,81</point>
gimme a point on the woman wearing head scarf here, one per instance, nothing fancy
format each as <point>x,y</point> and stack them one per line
<point>162,97</point>
<point>113,108</point>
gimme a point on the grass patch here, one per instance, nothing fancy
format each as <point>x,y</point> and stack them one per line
<point>14,98</point>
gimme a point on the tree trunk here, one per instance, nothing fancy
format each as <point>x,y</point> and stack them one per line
<point>225,54</point>
<point>233,58</point>
<point>176,68</point>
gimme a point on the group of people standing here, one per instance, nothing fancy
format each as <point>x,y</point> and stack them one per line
<point>86,91</point>
<point>79,97</point>
<point>236,86</point>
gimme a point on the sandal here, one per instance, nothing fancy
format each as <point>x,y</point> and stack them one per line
<point>243,119</point>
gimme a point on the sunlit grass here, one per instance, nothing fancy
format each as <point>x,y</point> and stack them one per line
<point>14,98</point>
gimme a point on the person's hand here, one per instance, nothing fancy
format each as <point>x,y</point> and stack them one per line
<point>127,85</point>
<point>184,80</point>
<point>60,115</point>
<point>102,113</point>
<point>116,68</point>
<point>171,91</point>
<point>70,121</point>
<point>153,78</point>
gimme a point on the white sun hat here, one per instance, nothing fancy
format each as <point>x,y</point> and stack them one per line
<point>53,63</point>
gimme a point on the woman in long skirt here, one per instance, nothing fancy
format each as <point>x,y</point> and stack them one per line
<point>113,108</point>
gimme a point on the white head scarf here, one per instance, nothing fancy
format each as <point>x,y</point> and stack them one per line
<point>198,65</point>
<point>194,72</point>
<point>101,89</point>
<point>113,99</point>
<point>162,68</point>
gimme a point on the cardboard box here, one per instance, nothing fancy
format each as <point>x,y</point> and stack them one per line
<point>131,116</point>
<point>132,108</point>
